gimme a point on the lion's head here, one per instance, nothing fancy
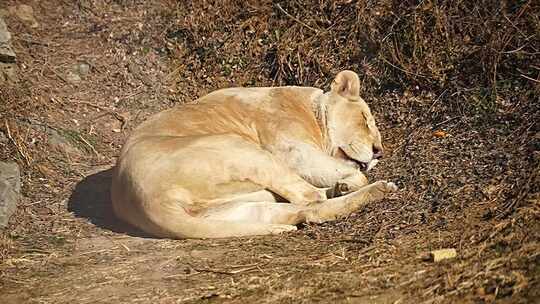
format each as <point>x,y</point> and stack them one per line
<point>351,126</point>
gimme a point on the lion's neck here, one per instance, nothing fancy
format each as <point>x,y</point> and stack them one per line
<point>319,107</point>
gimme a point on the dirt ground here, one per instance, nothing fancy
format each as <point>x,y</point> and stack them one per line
<point>467,167</point>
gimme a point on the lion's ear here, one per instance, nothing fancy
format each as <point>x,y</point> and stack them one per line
<point>347,84</point>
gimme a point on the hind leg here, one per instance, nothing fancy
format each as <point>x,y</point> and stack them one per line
<point>289,214</point>
<point>345,205</point>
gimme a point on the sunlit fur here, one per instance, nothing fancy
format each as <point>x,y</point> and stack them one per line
<point>357,135</point>
<point>218,167</point>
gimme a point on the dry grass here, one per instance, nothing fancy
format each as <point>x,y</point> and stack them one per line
<point>454,86</point>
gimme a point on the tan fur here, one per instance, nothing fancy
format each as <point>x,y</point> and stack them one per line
<point>249,161</point>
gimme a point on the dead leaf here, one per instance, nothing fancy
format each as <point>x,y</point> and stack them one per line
<point>440,134</point>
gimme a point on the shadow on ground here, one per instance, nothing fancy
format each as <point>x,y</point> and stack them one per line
<point>91,200</point>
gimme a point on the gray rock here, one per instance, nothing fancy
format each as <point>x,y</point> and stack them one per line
<point>3,138</point>
<point>82,69</point>
<point>77,72</point>
<point>6,52</point>
<point>10,189</point>
<point>72,77</point>
<point>8,72</point>
<point>5,35</point>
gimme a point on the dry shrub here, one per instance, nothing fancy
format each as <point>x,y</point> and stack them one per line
<point>485,46</point>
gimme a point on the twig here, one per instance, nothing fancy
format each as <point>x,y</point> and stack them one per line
<point>121,118</point>
<point>445,121</point>
<point>403,70</point>
<point>19,148</point>
<point>516,50</point>
<point>431,289</point>
<point>437,100</point>
<point>89,145</point>
<point>532,79</point>
<point>223,271</point>
<point>244,265</point>
<point>295,19</point>
<point>58,75</point>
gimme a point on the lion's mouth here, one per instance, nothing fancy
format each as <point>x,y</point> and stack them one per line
<point>359,165</point>
<point>363,166</point>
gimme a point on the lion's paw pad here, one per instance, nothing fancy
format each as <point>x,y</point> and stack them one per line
<point>385,186</point>
<point>391,187</point>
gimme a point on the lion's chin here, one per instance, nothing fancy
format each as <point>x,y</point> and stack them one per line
<point>372,164</point>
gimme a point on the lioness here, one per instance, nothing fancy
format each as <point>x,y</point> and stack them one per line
<point>250,161</point>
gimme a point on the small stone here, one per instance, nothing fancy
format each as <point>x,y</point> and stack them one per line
<point>82,69</point>
<point>73,77</point>
<point>5,35</point>
<point>77,72</point>
<point>440,255</point>
<point>6,52</point>
<point>3,138</point>
<point>8,72</point>
<point>25,13</point>
<point>10,189</point>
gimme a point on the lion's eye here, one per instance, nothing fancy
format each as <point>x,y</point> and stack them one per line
<point>364,116</point>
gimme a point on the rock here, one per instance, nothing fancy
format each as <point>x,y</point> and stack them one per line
<point>73,77</point>
<point>439,255</point>
<point>3,138</point>
<point>82,69</point>
<point>78,72</point>
<point>8,72</point>
<point>5,35</point>
<point>25,13</point>
<point>10,189</point>
<point>8,68</point>
<point>6,52</point>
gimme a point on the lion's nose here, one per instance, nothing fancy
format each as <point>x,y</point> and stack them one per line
<point>377,152</point>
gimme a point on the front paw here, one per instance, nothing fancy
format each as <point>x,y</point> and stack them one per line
<point>379,189</point>
<point>355,182</point>
<point>339,189</point>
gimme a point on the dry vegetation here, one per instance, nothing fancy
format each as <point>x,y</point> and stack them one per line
<point>455,86</point>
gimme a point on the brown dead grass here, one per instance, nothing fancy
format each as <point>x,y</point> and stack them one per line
<point>454,87</point>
